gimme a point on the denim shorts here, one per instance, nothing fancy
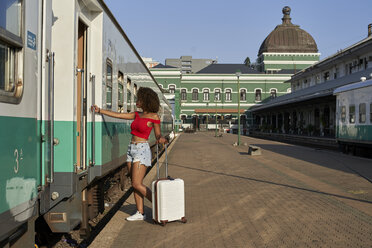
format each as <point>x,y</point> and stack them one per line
<point>139,152</point>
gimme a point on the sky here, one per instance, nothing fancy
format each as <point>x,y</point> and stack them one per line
<point>231,30</point>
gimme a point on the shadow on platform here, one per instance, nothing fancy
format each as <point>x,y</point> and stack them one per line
<point>272,183</point>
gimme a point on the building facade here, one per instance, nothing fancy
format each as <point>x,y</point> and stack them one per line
<point>217,93</point>
<point>311,107</point>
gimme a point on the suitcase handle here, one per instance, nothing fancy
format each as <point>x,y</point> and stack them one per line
<point>157,162</point>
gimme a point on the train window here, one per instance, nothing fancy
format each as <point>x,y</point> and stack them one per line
<point>129,95</point>
<point>362,113</point>
<point>135,96</point>
<point>120,91</point>
<point>11,86</point>
<point>108,84</point>
<point>352,114</point>
<point>10,10</point>
<point>7,64</point>
<point>343,113</point>
<point>370,113</point>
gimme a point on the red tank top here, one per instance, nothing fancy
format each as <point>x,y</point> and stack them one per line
<point>139,126</point>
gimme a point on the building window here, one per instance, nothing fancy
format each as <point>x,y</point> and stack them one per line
<point>273,93</point>
<point>343,114</point>
<point>183,95</point>
<point>10,47</point>
<point>362,113</point>
<point>206,95</point>
<point>365,63</point>
<point>335,74</point>
<point>243,95</point>
<point>258,95</point>
<point>172,89</point>
<point>195,95</point>
<point>108,84</point>
<point>120,91</point>
<point>217,95</point>
<point>326,76</point>
<point>228,95</point>
<point>352,114</point>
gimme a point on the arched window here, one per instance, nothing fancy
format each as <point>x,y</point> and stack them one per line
<point>273,93</point>
<point>195,95</point>
<point>206,95</point>
<point>258,95</point>
<point>172,88</point>
<point>183,95</point>
<point>228,95</point>
<point>243,95</point>
<point>217,95</point>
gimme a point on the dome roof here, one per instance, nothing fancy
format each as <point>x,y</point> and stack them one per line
<point>288,38</point>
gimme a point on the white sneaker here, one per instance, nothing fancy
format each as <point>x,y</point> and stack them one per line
<point>136,216</point>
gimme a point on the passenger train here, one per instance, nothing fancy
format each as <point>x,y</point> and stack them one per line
<point>57,58</point>
<point>354,116</point>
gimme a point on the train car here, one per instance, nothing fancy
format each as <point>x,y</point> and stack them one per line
<point>354,116</point>
<point>21,75</point>
<point>57,59</point>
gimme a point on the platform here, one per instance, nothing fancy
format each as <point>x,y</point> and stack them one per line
<point>290,196</point>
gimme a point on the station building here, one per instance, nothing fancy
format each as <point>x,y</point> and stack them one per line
<point>213,93</point>
<point>310,108</point>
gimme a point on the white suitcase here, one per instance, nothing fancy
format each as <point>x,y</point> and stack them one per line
<point>168,196</point>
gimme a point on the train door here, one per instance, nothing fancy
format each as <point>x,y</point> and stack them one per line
<point>81,97</point>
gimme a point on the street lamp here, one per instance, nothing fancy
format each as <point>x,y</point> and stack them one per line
<point>238,73</point>
<point>215,100</point>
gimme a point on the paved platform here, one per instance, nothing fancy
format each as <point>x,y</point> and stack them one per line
<point>290,196</point>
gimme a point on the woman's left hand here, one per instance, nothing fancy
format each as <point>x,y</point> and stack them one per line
<point>162,140</point>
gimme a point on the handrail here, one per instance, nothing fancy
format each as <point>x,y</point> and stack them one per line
<point>51,113</point>
<point>81,134</point>
<point>93,162</point>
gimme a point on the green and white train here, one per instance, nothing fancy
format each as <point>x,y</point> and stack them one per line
<point>354,116</point>
<point>57,58</point>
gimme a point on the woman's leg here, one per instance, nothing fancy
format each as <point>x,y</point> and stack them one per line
<point>140,190</point>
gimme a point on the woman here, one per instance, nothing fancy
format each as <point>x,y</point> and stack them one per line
<point>139,153</point>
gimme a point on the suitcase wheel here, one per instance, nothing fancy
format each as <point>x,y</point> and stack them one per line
<point>184,220</point>
<point>163,222</point>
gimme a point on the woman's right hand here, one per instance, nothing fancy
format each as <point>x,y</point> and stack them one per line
<point>96,109</point>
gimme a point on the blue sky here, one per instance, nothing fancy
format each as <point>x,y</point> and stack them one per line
<point>232,30</point>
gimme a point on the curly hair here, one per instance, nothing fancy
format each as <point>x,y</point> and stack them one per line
<point>149,99</point>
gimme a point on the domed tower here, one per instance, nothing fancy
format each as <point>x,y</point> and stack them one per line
<point>287,47</point>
